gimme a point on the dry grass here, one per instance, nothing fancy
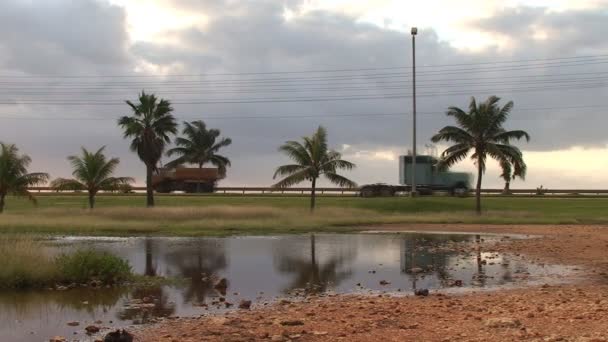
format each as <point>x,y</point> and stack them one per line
<point>225,220</point>
<point>24,263</point>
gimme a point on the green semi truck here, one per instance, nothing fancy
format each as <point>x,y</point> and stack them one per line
<point>429,178</point>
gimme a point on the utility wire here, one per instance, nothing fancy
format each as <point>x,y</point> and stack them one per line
<point>321,78</point>
<point>295,116</point>
<point>566,59</point>
<point>307,98</point>
<point>393,86</point>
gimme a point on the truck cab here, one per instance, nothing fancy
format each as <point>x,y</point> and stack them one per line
<point>429,178</point>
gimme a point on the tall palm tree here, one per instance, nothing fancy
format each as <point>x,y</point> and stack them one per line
<point>508,175</point>
<point>313,159</point>
<point>14,178</point>
<point>481,131</point>
<point>150,127</point>
<point>200,146</point>
<point>92,172</point>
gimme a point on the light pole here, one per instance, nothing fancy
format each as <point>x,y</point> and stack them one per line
<point>414,33</point>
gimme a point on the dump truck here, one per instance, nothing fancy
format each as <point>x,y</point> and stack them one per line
<point>189,180</point>
<point>429,178</point>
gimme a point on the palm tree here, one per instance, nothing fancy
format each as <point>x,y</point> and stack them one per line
<point>313,159</point>
<point>481,131</point>
<point>508,175</point>
<point>150,127</point>
<point>14,178</point>
<point>92,172</point>
<point>200,146</point>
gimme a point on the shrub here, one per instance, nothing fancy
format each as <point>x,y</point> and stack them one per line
<point>86,265</point>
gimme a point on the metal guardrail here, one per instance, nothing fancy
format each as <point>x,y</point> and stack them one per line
<point>354,191</point>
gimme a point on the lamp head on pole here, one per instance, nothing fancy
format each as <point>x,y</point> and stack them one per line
<point>414,31</point>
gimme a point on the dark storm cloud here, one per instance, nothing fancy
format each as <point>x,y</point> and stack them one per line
<point>62,36</point>
<point>89,37</point>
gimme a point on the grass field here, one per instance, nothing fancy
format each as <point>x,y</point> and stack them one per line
<point>222,215</point>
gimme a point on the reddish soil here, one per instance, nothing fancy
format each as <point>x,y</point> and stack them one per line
<point>574,312</point>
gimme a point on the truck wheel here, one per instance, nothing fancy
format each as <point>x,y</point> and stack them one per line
<point>386,192</point>
<point>367,193</point>
<point>460,190</point>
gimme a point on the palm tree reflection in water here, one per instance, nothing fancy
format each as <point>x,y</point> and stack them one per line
<point>200,262</point>
<point>310,274</point>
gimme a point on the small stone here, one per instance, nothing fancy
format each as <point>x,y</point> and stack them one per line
<point>421,292</point>
<point>58,339</point>
<point>74,324</point>
<point>118,336</point>
<point>384,282</point>
<point>92,329</point>
<point>292,322</point>
<point>245,304</point>
<point>502,322</point>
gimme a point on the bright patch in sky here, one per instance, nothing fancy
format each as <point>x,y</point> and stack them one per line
<point>148,20</point>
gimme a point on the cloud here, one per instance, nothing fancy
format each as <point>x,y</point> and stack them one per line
<point>91,38</point>
<point>62,36</point>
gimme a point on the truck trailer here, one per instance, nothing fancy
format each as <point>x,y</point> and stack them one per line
<point>429,178</point>
<point>189,180</point>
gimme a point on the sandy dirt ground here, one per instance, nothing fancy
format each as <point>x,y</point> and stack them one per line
<point>571,312</point>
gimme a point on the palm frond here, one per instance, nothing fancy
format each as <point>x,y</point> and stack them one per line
<point>454,134</point>
<point>506,136</point>
<point>297,152</point>
<point>452,155</point>
<point>340,180</point>
<point>293,179</point>
<point>67,184</point>
<point>288,170</point>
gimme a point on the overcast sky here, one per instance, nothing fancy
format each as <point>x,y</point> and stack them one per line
<point>268,71</point>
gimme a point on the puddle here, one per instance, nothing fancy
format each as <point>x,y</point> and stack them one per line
<point>262,269</point>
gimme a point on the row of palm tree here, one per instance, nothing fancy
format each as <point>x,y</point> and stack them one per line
<point>152,126</point>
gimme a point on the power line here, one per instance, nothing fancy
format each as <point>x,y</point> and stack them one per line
<point>308,98</point>
<point>375,76</point>
<point>297,116</point>
<point>575,58</point>
<point>404,86</point>
<point>104,89</point>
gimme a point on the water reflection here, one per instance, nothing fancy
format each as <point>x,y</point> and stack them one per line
<point>200,262</point>
<point>146,303</point>
<point>259,269</point>
<point>310,273</point>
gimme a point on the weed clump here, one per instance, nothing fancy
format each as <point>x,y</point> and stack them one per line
<point>88,265</point>
<point>26,264</point>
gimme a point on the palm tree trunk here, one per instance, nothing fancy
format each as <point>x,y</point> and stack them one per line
<point>91,200</point>
<point>2,197</point>
<point>198,185</point>
<point>149,188</point>
<point>313,253</point>
<point>478,189</point>
<point>507,189</point>
<point>313,195</point>
<point>150,269</point>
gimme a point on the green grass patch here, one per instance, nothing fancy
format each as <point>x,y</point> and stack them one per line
<point>217,215</point>
<point>86,265</point>
<point>26,264</point>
